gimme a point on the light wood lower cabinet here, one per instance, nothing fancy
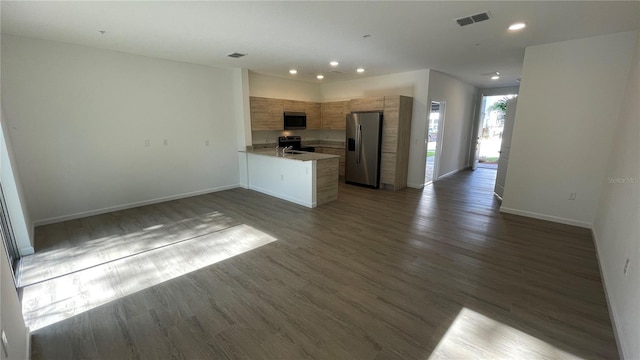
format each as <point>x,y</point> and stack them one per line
<point>334,151</point>
<point>396,135</point>
<point>326,181</point>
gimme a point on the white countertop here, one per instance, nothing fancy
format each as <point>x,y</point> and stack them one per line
<point>292,155</point>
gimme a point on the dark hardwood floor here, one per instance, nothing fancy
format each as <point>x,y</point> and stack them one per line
<point>413,274</point>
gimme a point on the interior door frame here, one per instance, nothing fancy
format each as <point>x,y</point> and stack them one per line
<point>476,128</point>
<point>474,148</point>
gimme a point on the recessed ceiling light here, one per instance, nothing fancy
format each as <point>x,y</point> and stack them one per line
<point>334,63</point>
<point>517,26</point>
<point>360,70</point>
<point>293,71</point>
<point>320,77</point>
<point>495,77</point>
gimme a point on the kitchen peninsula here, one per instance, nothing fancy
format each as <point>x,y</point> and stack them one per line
<point>305,178</point>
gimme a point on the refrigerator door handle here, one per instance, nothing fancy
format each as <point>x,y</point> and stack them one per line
<point>358,143</point>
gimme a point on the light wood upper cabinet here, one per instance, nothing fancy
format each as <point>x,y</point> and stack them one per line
<point>266,114</point>
<point>314,115</point>
<point>368,104</point>
<point>294,106</point>
<point>334,114</point>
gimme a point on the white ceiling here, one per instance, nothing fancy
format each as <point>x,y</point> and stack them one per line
<point>306,35</point>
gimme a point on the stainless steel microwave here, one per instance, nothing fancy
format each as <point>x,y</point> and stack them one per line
<point>295,121</point>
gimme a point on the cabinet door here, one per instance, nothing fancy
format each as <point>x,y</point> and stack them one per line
<point>390,124</point>
<point>313,115</point>
<point>368,104</point>
<point>334,115</point>
<point>266,114</point>
<point>294,105</point>
<point>388,168</point>
<point>335,151</point>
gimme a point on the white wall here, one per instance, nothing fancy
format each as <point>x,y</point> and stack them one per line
<point>79,118</point>
<point>414,84</point>
<point>280,88</point>
<point>616,227</point>
<point>242,107</point>
<point>460,111</point>
<point>292,180</point>
<point>570,96</point>
<point>11,320</point>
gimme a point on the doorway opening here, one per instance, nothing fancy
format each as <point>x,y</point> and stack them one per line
<point>491,129</point>
<point>433,140</point>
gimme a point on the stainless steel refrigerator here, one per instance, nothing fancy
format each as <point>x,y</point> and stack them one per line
<point>362,155</point>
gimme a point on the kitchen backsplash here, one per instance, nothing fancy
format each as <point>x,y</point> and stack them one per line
<point>271,137</point>
<point>338,144</point>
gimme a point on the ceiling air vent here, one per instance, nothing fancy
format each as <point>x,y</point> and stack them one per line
<point>468,20</point>
<point>236,55</point>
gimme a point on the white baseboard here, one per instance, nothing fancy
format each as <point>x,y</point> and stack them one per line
<point>421,185</point>
<point>452,173</point>
<point>612,311</point>
<point>552,218</point>
<point>416,186</point>
<point>130,205</point>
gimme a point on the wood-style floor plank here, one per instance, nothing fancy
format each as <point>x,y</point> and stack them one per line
<point>411,274</point>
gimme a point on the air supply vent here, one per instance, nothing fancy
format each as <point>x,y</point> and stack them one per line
<point>468,20</point>
<point>236,55</point>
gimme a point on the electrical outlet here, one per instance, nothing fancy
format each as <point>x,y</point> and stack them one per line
<point>572,196</point>
<point>206,143</point>
<point>281,177</point>
<point>5,344</point>
<point>147,143</point>
<point>626,266</point>
<point>166,142</point>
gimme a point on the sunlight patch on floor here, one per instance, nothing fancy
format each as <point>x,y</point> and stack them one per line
<point>475,336</point>
<point>48,302</point>
<point>51,263</point>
